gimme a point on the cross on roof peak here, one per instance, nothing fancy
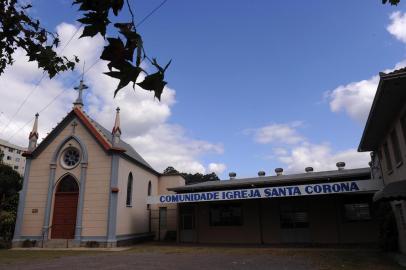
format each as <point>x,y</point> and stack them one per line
<point>79,101</point>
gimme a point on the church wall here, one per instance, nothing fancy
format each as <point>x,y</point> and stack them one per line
<point>97,185</point>
<point>133,219</point>
<point>37,189</point>
<point>96,199</point>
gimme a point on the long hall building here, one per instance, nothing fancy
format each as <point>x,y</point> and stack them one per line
<point>329,207</point>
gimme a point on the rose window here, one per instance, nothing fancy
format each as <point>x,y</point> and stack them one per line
<point>70,158</point>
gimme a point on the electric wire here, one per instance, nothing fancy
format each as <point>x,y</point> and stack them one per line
<point>37,84</point>
<point>63,91</point>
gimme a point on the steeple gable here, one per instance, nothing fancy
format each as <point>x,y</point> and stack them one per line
<point>116,132</point>
<point>33,137</point>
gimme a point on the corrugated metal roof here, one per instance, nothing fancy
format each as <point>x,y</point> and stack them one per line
<point>129,150</point>
<point>336,175</point>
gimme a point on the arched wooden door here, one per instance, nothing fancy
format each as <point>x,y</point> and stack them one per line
<point>65,206</point>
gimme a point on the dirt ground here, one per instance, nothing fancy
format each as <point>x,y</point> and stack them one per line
<point>158,256</point>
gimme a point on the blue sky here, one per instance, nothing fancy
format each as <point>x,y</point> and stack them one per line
<point>239,66</point>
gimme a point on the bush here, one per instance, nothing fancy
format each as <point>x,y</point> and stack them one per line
<point>29,243</point>
<point>92,244</point>
<point>10,184</point>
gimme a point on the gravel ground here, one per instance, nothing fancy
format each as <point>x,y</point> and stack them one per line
<point>196,258</point>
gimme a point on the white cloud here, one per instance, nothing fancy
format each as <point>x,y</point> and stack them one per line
<point>217,168</point>
<point>143,118</point>
<point>397,27</point>
<point>276,133</point>
<point>321,157</point>
<point>166,143</point>
<point>356,98</point>
<point>298,153</point>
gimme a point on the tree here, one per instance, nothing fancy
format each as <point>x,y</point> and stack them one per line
<point>392,2</point>
<point>10,184</point>
<point>199,178</point>
<point>19,30</point>
<point>170,171</point>
<point>192,178</point>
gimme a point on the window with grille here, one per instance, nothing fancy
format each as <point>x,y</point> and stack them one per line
<point>403,125</point>
<point>357,211</point>
<point>226,215</point>
<point>294,219</point>
<point>387,157</point>
<point>396,146</point>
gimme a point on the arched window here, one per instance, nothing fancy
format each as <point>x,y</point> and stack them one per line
<point>67,184</point>
<point>129,190</point>
<point>149,188</point>
<point>149,193</point>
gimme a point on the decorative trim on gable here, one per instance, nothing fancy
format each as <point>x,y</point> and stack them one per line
<point>106,145</point>
<point>83,149</point>
<point>54,133</point>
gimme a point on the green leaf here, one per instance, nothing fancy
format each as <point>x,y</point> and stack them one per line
<point>117,5</point>
<point>154,82</point>
<point>96,22</point>
<point>89,31</point>
<point>128,74</point>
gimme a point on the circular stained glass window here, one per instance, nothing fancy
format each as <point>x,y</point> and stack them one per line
<point>70,158</point>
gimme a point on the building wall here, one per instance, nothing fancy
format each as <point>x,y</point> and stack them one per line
<point>398,171</point>
<point>165,182</point>
<point>13,156</point>
<point>134,219</point>
<point>96,191</point>
<point>327,224</point>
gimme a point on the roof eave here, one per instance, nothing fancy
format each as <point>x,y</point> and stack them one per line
<point>363,147</point>
<point>275,180</point>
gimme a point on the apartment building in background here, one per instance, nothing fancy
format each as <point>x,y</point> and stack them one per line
<point>13,155</point>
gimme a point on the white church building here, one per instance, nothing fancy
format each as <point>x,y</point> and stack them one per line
<point>83,184</point>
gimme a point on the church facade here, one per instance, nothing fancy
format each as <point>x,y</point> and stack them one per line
<point>83,184</point>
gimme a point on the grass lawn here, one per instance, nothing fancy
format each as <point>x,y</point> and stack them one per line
<point>322,258</point>
<point>325,258</point>
<point>8,256</point>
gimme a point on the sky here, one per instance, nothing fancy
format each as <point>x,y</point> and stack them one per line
<point>253,85</point>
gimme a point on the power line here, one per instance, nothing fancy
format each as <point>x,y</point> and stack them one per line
<point>52,101</point>
<point>37,84</point>
<point>152,12</point>
<point>57,96</point>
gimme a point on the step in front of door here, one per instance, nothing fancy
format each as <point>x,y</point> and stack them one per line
<point>60,243</point>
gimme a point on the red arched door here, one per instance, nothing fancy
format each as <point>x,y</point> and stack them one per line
<point>65,206</point>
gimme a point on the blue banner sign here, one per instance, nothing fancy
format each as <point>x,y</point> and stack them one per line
<point>268,192</point>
